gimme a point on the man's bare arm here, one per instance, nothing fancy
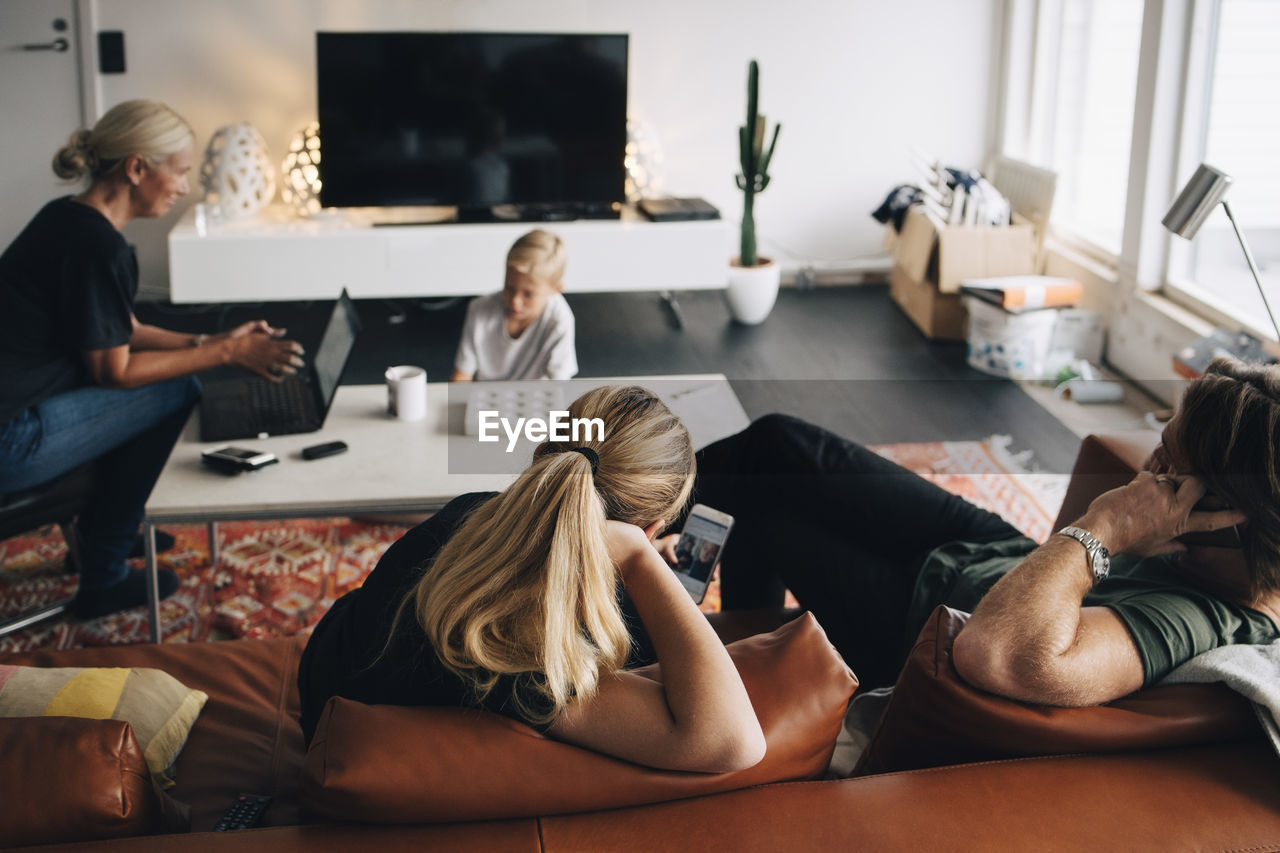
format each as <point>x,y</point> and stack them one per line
<point>1031,639</point>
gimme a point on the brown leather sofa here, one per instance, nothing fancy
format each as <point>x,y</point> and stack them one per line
<point>1166,771</point>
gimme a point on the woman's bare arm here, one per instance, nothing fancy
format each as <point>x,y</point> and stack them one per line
<point>155,354</point>
<point>699,717</point>
<point>148,337</point>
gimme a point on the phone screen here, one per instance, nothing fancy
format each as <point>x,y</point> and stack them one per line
<point>698,551</point>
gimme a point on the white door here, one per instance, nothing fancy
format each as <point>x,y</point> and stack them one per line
<point>39,104</point>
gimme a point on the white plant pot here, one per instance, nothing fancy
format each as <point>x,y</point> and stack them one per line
<point>753,290</point>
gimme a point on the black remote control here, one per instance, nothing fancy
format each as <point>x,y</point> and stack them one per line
<point>319,451</point>
<point>245,811</point>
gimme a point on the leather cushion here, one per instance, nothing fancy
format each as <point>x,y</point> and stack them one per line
<point>160,708</point>
<point>76,779</point>
<point>935,718</point>
<point>247,737</point>
<point>390,764</point>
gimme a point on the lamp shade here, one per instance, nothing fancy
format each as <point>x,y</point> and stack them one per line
<point>1196,201</point>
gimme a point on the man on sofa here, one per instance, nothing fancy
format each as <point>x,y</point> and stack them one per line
<point>872,549</point>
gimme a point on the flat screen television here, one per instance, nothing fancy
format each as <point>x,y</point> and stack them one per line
<point>473,120</point>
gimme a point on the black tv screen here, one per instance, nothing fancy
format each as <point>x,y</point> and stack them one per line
<point>471,119</point>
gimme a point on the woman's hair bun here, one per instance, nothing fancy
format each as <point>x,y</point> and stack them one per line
<point>75,159</point>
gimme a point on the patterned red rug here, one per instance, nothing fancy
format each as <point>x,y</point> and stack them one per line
<point>278,578</point>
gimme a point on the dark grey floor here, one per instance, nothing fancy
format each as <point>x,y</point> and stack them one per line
<point>842,357</point>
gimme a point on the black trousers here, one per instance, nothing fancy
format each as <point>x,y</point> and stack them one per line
<point>841,527</point>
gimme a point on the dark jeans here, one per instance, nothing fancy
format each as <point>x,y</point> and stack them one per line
<point>129,432</point>
<point>841,527</point>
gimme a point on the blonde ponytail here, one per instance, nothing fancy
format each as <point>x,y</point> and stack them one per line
<point>525,587</point>
<point>141,127</point>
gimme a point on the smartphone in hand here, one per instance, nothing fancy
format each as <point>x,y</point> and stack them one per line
<point>698,549</point>
<point>1226,537</point>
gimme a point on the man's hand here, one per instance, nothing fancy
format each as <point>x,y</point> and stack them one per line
<point>1145,517</point>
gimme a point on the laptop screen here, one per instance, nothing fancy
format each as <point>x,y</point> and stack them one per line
<point>331,356</point>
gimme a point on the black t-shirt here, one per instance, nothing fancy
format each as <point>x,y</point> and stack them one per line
<point>67,285</point>
<point>348,654</point>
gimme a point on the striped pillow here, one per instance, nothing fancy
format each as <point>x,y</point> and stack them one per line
<point>159,707</point>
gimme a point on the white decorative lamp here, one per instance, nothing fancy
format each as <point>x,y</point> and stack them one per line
<point>642,159</point>
<point>1207,187</point>
<point>237,174</point>
<point>301,171</point>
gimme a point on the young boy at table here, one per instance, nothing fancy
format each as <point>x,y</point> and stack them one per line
<point>525,331</point>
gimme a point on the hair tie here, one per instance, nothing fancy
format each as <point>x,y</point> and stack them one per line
<point>591,455</point>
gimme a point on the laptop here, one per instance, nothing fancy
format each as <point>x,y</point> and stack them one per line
<point>252,407</point>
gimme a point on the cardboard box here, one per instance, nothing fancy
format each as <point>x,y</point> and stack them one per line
<point>945,256</point>
<point>938,315</point>
<point>1005,343</point>
<point>1077,334</point>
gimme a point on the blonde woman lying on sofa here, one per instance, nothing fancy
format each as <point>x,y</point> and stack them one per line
<point>508,602</point>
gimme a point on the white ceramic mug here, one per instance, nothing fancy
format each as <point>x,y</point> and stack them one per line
<point>407,392</point>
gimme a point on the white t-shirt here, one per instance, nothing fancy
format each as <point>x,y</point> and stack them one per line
<point>545,350</point>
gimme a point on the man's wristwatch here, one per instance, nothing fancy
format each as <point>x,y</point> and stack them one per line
<point>1099,556</point>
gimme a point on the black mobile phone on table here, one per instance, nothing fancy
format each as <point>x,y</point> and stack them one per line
<point>1226,537</point>
<point>232,460</point>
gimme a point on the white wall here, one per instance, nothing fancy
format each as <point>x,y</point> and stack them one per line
<point>854,82</point>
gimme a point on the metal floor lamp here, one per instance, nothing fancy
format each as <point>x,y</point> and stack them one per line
<point>1192,207</point>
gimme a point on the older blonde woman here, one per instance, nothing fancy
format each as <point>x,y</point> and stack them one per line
<point>80,378</point>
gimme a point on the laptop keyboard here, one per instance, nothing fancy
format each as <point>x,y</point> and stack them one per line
<point>275,406</point>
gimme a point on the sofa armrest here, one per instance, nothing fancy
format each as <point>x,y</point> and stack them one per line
<point>69,779</point>
<point>1105,461</point>
<point>935,718</point>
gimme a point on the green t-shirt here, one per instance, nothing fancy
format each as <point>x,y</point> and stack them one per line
<point>1170,620</point>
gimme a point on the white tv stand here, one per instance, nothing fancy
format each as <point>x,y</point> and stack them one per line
<point>278,256</point>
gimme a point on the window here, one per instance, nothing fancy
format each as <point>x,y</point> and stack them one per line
<point>1082,116</point>
<point>1233,117</point>
<point>1096,88</point>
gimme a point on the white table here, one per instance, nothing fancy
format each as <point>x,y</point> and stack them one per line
<point>391,466</point>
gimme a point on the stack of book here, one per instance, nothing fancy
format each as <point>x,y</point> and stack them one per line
<point>1025,326</point>
<point>1016,293</point>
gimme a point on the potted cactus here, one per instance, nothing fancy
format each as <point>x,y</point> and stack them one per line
<point>753,280</point>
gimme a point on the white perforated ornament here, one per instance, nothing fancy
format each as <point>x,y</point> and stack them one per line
<point>301,171</point>
<point>238,176</point>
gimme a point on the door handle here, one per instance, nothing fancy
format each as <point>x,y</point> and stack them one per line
<point>59,45</point>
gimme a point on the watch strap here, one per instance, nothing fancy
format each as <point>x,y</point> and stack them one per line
<point>1099,556</point>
